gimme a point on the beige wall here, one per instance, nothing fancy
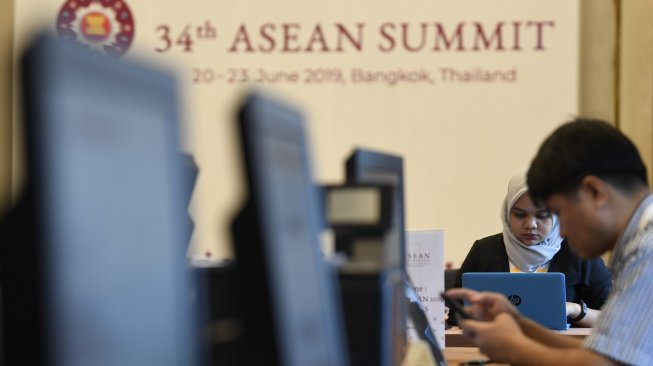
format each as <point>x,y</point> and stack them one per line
<point>597,59</point>
<point>616,68</point>
<point>635,67</point>
<point>6,64</point>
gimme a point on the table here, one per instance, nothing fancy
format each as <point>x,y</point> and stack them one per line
<point>454,337</point>
<point>458,355</point>
<point>419,354</point>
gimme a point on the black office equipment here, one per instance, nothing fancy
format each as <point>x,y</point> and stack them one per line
<point>375,316</point>
<point>371,166</point>
<point>373,274</point>
<point>350,208</point>
<point>94,271</point>
<point>291,310</point>
<point>225,326</point>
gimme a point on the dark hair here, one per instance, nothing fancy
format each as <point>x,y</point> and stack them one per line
<point>580,148</point>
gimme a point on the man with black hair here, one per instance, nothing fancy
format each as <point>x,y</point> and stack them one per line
<point>592,177</point>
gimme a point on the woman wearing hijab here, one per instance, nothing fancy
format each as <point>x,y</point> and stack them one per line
<point>531,242</point>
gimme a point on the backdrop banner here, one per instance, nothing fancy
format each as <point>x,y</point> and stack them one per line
<point>464,90</point>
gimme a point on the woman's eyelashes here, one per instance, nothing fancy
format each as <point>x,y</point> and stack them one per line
<point>519,215</point>
<point>544,215</point>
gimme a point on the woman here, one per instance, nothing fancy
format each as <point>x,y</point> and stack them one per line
<point>531,242</point>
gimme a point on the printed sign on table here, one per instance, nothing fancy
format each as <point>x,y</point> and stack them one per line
<point>425,266</point>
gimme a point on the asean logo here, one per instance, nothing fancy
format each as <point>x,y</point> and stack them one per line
<point>106,26</point>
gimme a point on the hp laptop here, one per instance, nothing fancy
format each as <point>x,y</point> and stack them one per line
<point>539,296</point>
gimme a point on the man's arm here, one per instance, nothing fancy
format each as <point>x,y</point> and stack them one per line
<point>503,341</point>
<point>486,305</point>
<point>529,351</point>
<point>546,336</point>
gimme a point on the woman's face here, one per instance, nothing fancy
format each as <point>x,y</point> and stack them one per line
<point>529,223</point>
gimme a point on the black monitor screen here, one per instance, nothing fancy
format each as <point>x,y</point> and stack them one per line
<point>109,192</point>
<point>302,292</point>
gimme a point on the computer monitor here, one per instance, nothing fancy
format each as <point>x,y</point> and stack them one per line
<point>106,202</point>
<point>291,303</point>
<point>370,166</point>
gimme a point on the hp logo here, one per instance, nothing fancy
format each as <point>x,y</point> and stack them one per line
<point>515,300</point>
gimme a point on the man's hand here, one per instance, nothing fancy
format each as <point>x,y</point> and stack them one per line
<point>496,338</point>
<point>483,305</point>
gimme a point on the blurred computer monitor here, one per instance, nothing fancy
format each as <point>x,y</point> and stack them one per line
<point>291,303</point>
<point>105,218</point>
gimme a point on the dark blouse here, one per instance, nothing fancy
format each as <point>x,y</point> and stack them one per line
<point>588,280</point>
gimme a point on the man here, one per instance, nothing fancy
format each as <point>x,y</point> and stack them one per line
<point>592,177</point>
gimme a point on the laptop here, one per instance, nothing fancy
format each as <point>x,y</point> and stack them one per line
<point>539,296</point>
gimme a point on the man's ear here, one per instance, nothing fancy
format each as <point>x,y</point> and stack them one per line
<point>596,189</point>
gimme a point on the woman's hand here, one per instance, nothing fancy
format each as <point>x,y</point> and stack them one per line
<point>573,309</point>
<point>483,305</point>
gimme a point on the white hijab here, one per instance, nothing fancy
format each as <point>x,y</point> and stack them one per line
<point>528,258</point>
